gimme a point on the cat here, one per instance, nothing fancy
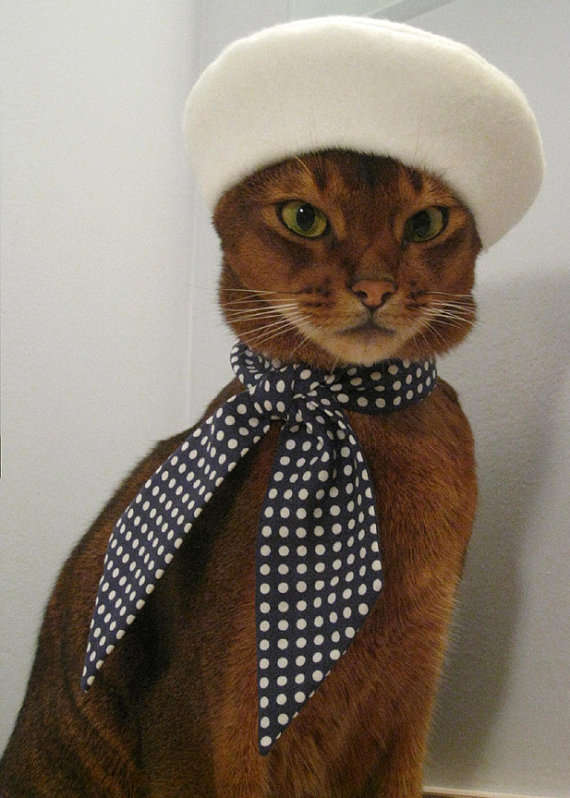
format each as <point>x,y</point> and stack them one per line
<point>329,258</point>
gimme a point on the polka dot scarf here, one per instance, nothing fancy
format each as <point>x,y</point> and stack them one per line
<point>318,551</point>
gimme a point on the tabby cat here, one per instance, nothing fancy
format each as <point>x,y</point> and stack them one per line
<point>329,258</point>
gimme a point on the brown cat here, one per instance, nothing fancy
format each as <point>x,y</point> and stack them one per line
<point>330,258</point>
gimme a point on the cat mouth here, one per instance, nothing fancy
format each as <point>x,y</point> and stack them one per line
<point>368,328</point>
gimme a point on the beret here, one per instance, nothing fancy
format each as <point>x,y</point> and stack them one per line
<point>372,86</point>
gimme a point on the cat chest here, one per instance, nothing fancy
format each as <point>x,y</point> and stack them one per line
<point>212,585</point>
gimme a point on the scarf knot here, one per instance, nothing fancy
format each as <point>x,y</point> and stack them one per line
<point>381,388</point>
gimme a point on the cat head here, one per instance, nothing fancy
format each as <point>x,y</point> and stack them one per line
<point>337,257</point>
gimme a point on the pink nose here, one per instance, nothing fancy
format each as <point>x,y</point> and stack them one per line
<point>373,293</point>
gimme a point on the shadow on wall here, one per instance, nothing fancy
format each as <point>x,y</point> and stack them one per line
<point>502,372</point>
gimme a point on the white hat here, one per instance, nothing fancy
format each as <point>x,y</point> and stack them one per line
<point>372,86</point>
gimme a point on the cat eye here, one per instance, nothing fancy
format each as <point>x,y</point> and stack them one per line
<point>303,219</point>
<point>426,224</point>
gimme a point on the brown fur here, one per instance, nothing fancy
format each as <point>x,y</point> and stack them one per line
<point>174,710</point>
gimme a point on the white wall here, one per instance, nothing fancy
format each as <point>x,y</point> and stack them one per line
<point>97,214</point>
<point>503,712</point>
<point>98,255</point>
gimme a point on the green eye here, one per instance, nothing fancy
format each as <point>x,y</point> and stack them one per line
<point>304,219</point>
<point>426,224</point>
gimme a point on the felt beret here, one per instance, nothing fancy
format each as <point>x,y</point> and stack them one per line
<point>372,86</point>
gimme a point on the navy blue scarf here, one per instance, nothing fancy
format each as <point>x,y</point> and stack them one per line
<point>318,558</point>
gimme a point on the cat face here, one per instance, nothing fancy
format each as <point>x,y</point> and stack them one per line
<point>337,258</point>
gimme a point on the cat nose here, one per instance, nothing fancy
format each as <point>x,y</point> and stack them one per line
<point>373,293</point>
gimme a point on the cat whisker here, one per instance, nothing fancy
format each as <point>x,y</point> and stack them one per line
<point>258,342</point>
<point>260,291</point>
<point>465,302</point>
<point>462,313</point>
<point>449,322</point>
<point>267,305</point>
<point>459,315</point>
<point>425,341</point>
<point>446,293</point>
<point>254,313</point>
<point>268,331</point>
<point>336,361</point>
<point>453,306</point>
<point>304,339</point>
<point>470,320</point>
<point>263,298</point>
<point>305,167</point>
<point>447,319</point>
<point>429,326</point>
<point>282,320</point>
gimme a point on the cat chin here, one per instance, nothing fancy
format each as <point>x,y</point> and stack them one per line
<point>361,348</point>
